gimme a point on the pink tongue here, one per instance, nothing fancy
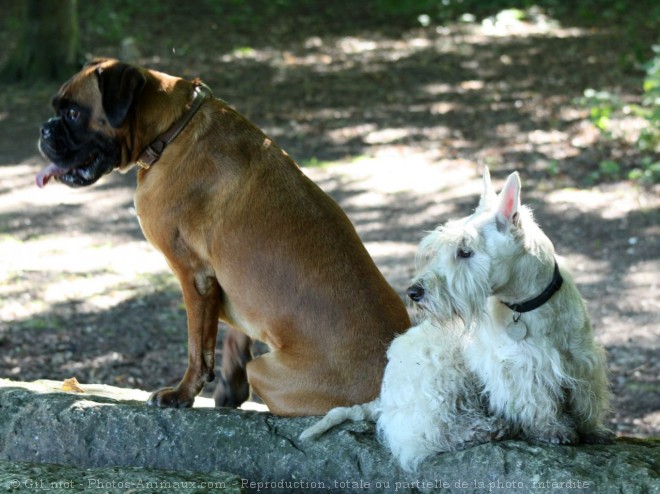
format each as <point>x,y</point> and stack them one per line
<point>52,170</point>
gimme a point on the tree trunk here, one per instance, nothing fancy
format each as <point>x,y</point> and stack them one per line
<point>48,46</point>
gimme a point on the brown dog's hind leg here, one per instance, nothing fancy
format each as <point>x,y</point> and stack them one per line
<point>293,387</point>
<point>233,388</point>
<point>202,297</point>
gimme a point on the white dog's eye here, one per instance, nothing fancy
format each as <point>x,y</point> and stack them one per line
<point>463,253</point>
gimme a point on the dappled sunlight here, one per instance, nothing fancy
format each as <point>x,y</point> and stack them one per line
<point>101,276</point>
<point>457,78</point>
<point>396,124</point>
<point>608,203</point>
<point>397,169</point>
<point>391,249</point>
<point>333,54</point>
<point>101,268</point>
<point>99,290</point>
<point>374,53</point>
<point>590,271</point>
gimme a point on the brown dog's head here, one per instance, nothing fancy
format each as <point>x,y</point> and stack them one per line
<point>84,138</point>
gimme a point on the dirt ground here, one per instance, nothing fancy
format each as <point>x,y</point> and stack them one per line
<point>396,124</point>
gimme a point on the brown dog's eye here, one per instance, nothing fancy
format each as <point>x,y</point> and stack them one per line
<point>72,115</point>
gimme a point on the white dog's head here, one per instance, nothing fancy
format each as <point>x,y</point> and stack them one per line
<point>463,262</point>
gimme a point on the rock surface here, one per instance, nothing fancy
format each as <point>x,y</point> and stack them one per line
<point>83,430</point>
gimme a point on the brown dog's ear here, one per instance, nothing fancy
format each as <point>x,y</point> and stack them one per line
<point>119,84</point>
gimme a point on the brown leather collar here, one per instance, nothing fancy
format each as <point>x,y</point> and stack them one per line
<point>153,151</point>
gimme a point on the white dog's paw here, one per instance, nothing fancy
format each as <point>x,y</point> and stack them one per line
<point>600,435</point>
<point>555,434</point>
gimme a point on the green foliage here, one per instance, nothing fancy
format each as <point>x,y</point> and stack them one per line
<point>650,108</point>
<point>552,168</point>
<point>605,107</point>
<point>602,105</point>
<point>113,19</point>
<point>647,172</point>
<point>609,168</point>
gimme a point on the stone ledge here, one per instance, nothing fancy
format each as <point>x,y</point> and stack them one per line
<point>39,425</point>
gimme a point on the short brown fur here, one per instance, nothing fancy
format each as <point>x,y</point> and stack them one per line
<point>256,244</point>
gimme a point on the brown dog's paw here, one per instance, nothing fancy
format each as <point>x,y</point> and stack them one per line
<point>170,398</point>
<point>230,396</point>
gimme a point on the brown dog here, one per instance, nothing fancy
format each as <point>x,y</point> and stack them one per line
<point>251,239</point>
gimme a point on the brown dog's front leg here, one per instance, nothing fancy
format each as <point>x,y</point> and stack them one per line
<point>233,388</point>
<point>202,297</point>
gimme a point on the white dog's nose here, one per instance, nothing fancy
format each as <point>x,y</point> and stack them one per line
<point>416,292</point>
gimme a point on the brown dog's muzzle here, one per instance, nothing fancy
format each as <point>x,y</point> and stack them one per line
<point>76,161</point>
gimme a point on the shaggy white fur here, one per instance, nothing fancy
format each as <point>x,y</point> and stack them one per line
<point>429,401</point>
<point>548,381</point>
<point>539,374</point>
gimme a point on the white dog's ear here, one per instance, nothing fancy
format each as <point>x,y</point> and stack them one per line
<point>507,210</point>
<point>488,195</point>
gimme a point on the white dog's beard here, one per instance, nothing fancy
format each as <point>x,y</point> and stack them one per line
<point>465,299</point>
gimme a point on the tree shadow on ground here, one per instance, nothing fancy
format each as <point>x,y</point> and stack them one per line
<point>447,94</point>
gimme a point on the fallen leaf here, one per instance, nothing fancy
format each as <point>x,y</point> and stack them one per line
<point>72,385</point>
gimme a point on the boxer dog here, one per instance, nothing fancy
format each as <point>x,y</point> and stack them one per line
<point>252,241</point>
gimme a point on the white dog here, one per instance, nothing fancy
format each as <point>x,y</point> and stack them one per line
<point>528,363</point>
<point>429,401</point>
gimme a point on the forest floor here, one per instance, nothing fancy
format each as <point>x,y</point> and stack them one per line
<point>394,123</point>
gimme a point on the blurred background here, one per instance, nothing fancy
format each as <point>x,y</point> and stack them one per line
<point>392,107</point>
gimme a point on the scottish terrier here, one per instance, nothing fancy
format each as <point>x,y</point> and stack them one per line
<point>526,363</point>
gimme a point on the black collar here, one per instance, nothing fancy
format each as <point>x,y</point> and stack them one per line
<point>537,302</point>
